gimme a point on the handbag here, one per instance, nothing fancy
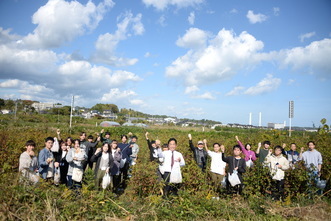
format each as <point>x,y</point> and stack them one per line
<point>234,178</point>
<point>122,163</point>
<point>56,146</point>
<point>77,174</point>
<point>106,181</point>
<point>249,163</point>
<point>57,175</point>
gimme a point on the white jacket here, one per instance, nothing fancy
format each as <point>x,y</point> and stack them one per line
<point>272,161</point>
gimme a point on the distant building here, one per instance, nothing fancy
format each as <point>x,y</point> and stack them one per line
<point>109,114</point>
<point>5,111</point>
<point>42,106</point>
<point>276,125</point>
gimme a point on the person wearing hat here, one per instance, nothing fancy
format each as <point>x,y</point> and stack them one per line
<point>200,154</point>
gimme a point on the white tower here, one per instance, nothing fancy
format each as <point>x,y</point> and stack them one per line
<point>250,119</point>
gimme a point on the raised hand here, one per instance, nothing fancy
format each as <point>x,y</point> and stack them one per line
<point>189,136</point>
<point>237,138</point>
<point>222,148</point>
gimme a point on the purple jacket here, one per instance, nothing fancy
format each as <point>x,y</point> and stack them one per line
<point>247,153</point>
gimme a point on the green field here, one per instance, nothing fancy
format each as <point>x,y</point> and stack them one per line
<point>142,199</point>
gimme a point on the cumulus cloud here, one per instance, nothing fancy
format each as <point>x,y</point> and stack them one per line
<point>314,58</point>
<point>59,21</point>
<point>220,59</point>
<point>206,96</point>
<point>193,38</point>
<point>163,4</point>
<point>115,95</point>
<point>267,84</point>
<point>107,43</point>
<point>256,18</point>
<point>235,91</point>
<point>191,89</point>
<point>191,18</point>
<point>305,36</point>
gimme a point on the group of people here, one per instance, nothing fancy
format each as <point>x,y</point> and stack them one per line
<point>65,161</point>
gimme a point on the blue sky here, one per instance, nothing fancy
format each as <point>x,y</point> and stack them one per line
<point>201,59</point>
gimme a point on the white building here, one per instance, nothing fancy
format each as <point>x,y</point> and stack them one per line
<point>42,106</point>
<point>276,125</point>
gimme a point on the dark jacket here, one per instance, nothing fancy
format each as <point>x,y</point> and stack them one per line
<point>233,163</point>
<point>97,158</point>
<point>202,163</point>
<point>126,151</point>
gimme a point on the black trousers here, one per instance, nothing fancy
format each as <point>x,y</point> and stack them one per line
<point>169,188</point>
<point>278,189</point>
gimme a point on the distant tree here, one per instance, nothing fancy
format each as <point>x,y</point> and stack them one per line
<point>103,107</point>
<point>2,102</point>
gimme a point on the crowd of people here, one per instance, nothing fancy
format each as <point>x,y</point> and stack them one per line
<point>65,161</point>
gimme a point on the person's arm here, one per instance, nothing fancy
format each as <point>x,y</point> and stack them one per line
<point>267,158</point>
<point>320,162</point>
<point>182,161</point>
<point>69,157</point>
<point>42,159</point>
<point>225,159</point>
<point>58,134</point>
<point>253,155</point>
<point>258,150</point>
<point>118,155</point>
<point>301,152</point>
<point>190,142</point>
<point>205,142</point>
<point>243,149</point>
<point>96,155</point>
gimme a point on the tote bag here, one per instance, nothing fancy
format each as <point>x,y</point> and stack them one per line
<point>234,178</point>
<point>77,174</point>
<point>176,175</point>
<point>106,181</point>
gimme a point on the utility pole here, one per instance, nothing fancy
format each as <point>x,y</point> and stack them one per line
<point>72,104</point>
<point>291,114</point>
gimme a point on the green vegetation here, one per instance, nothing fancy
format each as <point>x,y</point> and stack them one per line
<point>142,199</point>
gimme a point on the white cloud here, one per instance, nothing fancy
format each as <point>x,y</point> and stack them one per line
<point>276,11</point>
<point>107,43</point>
<point>223,56</point>
<point>12,83</point>
<point>290,81</point>
<point>147,55</point>
<point>191,89</point>
<point>191,18</point>
<point>266,85</point>
<point>59,22</point>
<point>313,59</point>
<point>163,4</point>
<point>116,95</point>
<point>162,21</point>
<point>302,37</point>
<point>193,38</point>
<point>235,91</point>
<point>256,18</point>
<point>234,11</point>
<point>119,78</point>
<point>206,96</point>
<point>6,37</point>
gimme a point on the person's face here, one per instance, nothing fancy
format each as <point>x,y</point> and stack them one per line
<point>90,140</point>
<point>134,140</point>
<point>266,146</point>
<point>49,144</point>
<point>105,148</point>
<point>64,146</point>
<point>107,136</point>
<point>123,139</point>
<point>311,146</point>
<point>154,145</point>
<point>172,145</point>
<point>158,143</point>
<point>83,136</point>
<point>293,147</point>
<point>248,147</point>
<point>29,148</point>
<point>114,145</point>
<point>76,144</point>
<point>165,148</point>
<point>217,148</point>
<point>278,152</point>
<point>200,145</point>
<point>69,142</point>
<point>236,152</point>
